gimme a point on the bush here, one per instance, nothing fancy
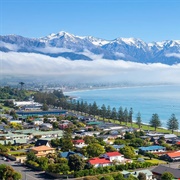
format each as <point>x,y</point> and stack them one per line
<point>32,163</point>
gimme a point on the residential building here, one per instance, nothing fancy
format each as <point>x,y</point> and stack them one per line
<point>114,156</point>
<point>42,150</point>
<point>158,171</point>
<point>42,142</point>
<point>99,162</point>
<point>152,149</point>
<point>173,156</point>
<point>69,153</point>
<point>148,173</point>
<point>78,142</point>
<point>118,147</point>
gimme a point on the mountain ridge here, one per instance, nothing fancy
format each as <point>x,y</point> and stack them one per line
<point>74,47</point>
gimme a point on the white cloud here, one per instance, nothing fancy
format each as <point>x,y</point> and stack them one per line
<point>120,54</point>
<point>87,71</point>
<point>173,55</point>
<point>49,49</point>
<point>9,46</point>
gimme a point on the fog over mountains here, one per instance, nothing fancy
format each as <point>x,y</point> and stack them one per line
<point>73,47</point>
<point>71,58</point>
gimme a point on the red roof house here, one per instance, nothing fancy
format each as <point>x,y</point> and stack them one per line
<point>174,156</point>
<point>114,156</point>
<point>97,162</point>
<point>78,141</point>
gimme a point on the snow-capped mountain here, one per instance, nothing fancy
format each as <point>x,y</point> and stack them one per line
<point>78,48</point>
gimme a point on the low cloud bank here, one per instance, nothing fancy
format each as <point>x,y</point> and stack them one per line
<point>99,70</point>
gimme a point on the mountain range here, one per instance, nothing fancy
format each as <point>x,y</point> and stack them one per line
<point>75,47</point>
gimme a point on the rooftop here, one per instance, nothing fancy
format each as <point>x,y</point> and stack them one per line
<point>94,161</point>
<point>152,148</point>
<point>174,154</point>
<point>161,169</point>
<point>113,154</point>
<point>42,148</point>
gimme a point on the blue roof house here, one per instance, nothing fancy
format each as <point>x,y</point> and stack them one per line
<point>68,153</point>
<point>152,149</point>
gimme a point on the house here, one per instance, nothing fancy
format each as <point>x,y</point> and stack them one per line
<point>15,121</point>
<point>173,156</point>
<point>170,138</point>
<point>42,150</point>
<point>38,121</point>
<point>148,173</point>
<point>178,143</point>
<point>78,142</point>
<point>42,142</point>
<point>69,153</point>
<point>158,171</point>
<point>63,125</point>
<point>152,149</point>
<point>99,162</point>
<point>46,126</point>
<point>114,156</point>
<point>118,147</point>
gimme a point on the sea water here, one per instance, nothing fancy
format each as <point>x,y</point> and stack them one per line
<point>161,99</point>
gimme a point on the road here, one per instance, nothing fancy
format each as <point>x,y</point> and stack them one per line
<point>27,173</point>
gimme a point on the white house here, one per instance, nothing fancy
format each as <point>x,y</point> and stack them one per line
<point>114,156</point>
<point>38,121</point>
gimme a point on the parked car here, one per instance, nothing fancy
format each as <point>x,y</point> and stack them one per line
<point>4,158</point>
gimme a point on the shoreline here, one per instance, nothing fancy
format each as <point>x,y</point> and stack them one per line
<point>115,87</point>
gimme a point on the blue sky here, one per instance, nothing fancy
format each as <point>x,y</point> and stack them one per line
<point>149,20</point>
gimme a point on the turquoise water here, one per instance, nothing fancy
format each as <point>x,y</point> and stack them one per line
<point>163,100</point>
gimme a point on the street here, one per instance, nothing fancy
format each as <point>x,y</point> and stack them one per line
<point>27,173</point>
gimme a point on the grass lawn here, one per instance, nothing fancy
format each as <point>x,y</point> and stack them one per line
<point>143,126</point>
<point>157,161</point>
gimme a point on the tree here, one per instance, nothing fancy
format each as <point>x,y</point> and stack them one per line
<point>8,173</point>
<point>150,155</point>
<point>120,115</point>
<point>94,109</point>
<point>66,140</point>
<point>108,112</point>
<point>173,123</point>
<point>45,107</point>
<point>167,176</point>
<point>76,163</point>
<point>126,115</point>
<point>90,139</point>
<point>58,168</point>
<point>22,84</point>
<point>128,152</point>
<point>95,149</point>
<point>43,162</point>
<point>109,148</point>
<point>130,116</point>
<point>155,121</point>
<point>138,120</point>
<point>103,111</point>
<point>31,156</point>
<point>141,176</point>
<point>114,114</point>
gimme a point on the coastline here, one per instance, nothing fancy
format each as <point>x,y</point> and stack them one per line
<point>114,87</point>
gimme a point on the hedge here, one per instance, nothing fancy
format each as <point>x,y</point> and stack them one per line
<point>113,168</point>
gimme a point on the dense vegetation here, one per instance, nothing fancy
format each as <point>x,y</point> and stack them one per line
<point>8,173</point>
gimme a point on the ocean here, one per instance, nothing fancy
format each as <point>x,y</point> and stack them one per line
<point>161,99</point>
